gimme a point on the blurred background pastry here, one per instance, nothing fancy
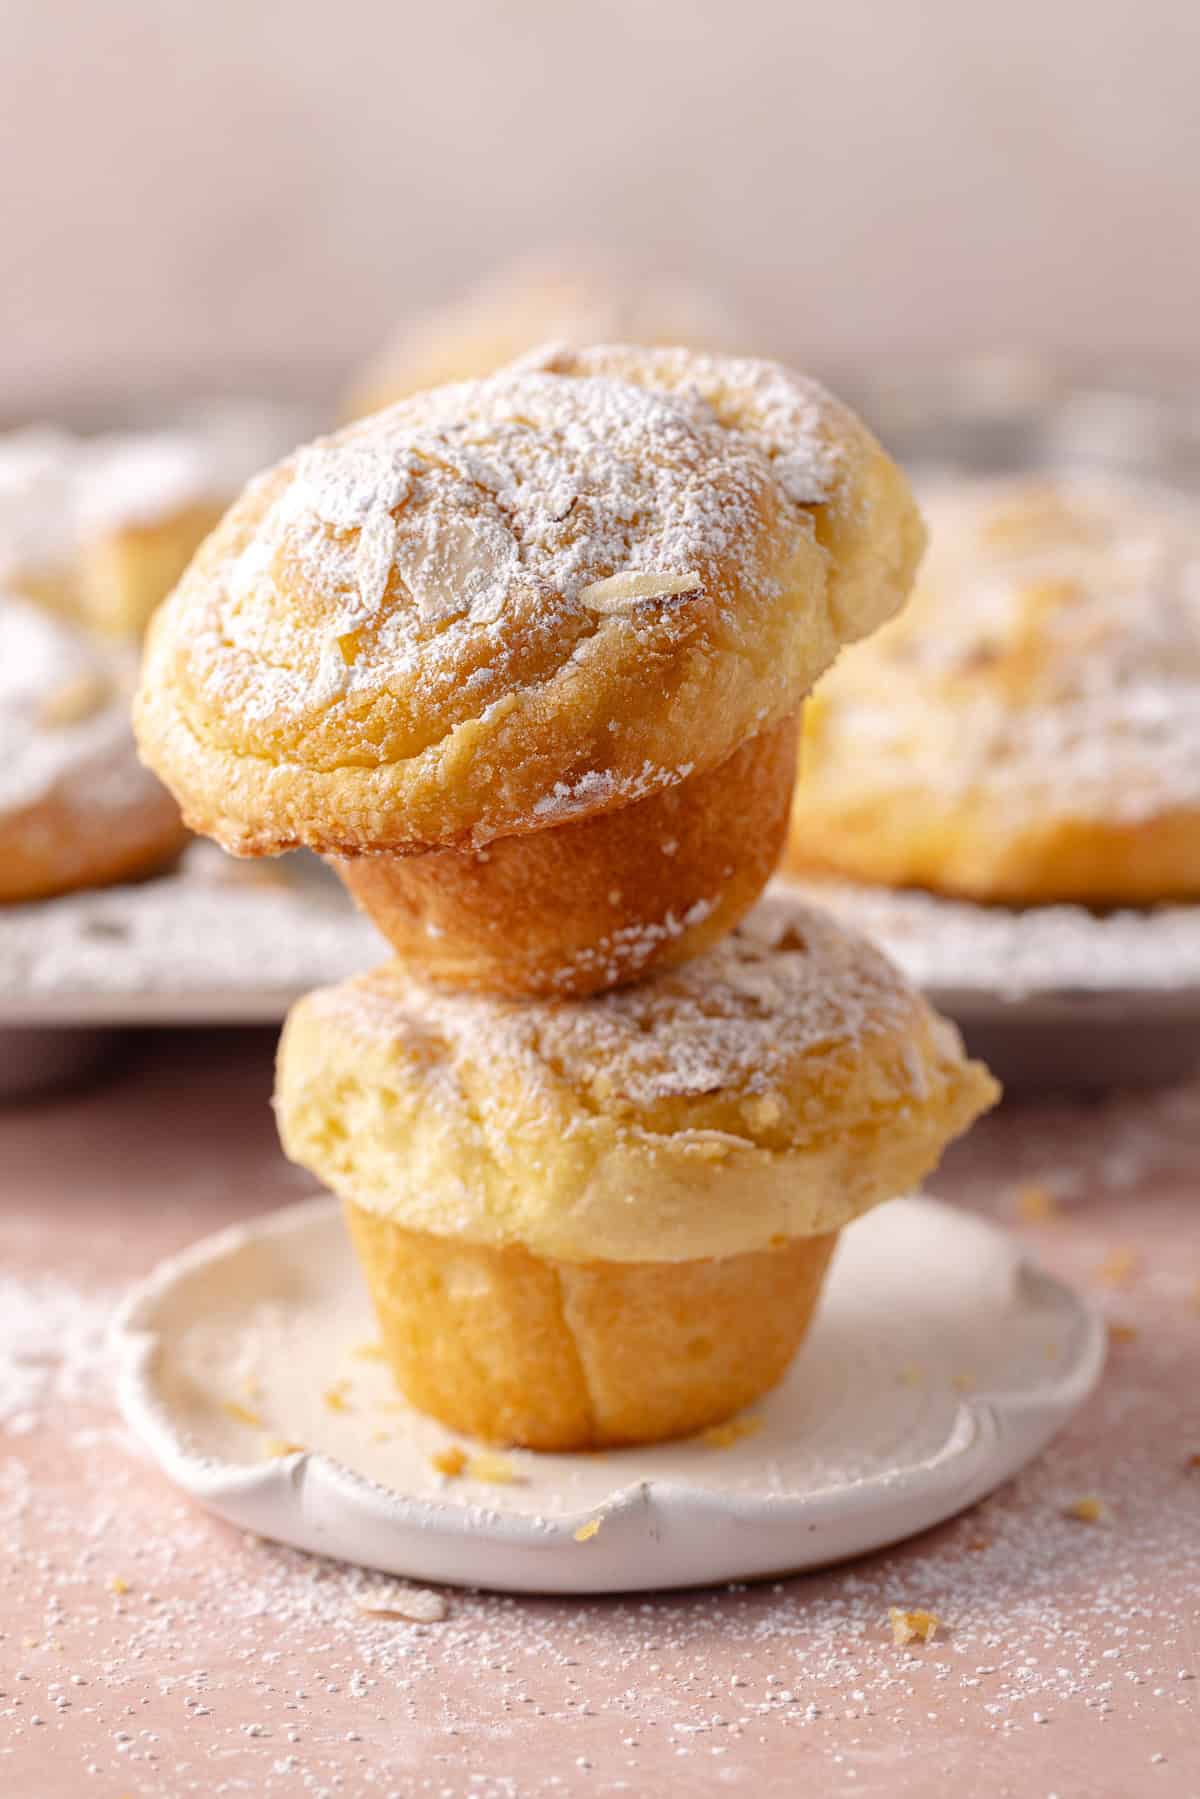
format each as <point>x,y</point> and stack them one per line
<point>101,527</point>
<point>574,298</point>
<point>1028,729</point>
<point>608,1221</point>
<point>525,655</point>
<point>77,808</point>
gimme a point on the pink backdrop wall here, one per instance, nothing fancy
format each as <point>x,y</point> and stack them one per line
<point>182,184</point>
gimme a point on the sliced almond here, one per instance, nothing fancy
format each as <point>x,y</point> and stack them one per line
<point>415,1605</point>
<point>618,592</point>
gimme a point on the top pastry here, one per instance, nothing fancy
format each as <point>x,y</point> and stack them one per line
<point>507,604</point>
<point>1029,729</point>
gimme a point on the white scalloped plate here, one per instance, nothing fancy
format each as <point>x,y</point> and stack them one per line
<point>940,1363</point>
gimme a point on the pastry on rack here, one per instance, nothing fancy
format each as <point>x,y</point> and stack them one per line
<point>101,528</point>
<point>1028,730</point>
<point>77,809</point>
<point>569,298</point>
<point>608,1221</point>
<point>524,656</point>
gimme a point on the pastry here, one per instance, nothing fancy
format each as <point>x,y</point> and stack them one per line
<point>524,655</point>
<point>1028,730</point>
<point>607,1221</point>
<point>566,299</point>
<point>101,528</point>
<point>77,809</point>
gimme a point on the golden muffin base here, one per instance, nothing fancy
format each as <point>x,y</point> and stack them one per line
<point>905,840</point>
<point>591,905</point>
<point>64,843</point>
<point>516,1349</point>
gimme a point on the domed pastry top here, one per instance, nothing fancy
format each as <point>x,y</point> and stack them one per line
<point>509,603</point>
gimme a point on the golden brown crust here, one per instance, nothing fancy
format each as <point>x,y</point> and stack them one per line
<point>568,298</point>
<point>586,906</point>
<point>402,639</point>
<point>773,1088</point>
<point>515,1349</point>
<point>63,844</point>
<point>1028,731</point>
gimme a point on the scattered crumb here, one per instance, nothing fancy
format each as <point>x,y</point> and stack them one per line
<point>252,1387</point>
<point>382,1436</point>
<point>369,1352</point>
<point>1121,1333</point>
<point>415,1605</point>
<point>335,1397</point>
<point>450,1461</point>
<point>242,1414</point>
<point>1036,1204</point>
<point>723,1436</point>
<point>117,1584</point>
<point>587,1531</point>
<point>281,1446</point>
<point>979,1543</point>
<point>1193,1461</point>
<point>912,1627</point>
<point>964,1383</point>
<point>497,1470</point>
<point>1088,1510</point>
<point>1118,1267</point>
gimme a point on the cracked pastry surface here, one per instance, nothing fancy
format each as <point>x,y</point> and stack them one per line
<point>507,604</point>
<point>770,1090</point>
<point>1028,730</point>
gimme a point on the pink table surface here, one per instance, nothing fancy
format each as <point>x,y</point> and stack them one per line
<point>148,1649</point>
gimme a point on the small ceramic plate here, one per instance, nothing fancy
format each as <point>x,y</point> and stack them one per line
<point>1050,997</point>
<point>249,1371</point>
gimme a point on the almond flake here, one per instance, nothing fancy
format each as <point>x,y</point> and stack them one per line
<point>724,1436</point>
<point>242,1414</point>
<point>497,1470</point>
<point>618,592</point>
<point>1036,1203</point>
<point>912,1627</point>
<point>414,1606</point>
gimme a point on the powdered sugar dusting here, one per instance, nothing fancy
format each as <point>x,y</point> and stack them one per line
<point>738,1018</point>
<point>64,711</point>
<point>59,492</point>
<point>216,939</point>
<point>453,506</point>
<point>1049,662</point>
<point>943,944</point>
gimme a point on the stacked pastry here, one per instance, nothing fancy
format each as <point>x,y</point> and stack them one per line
<point>523,657</point>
